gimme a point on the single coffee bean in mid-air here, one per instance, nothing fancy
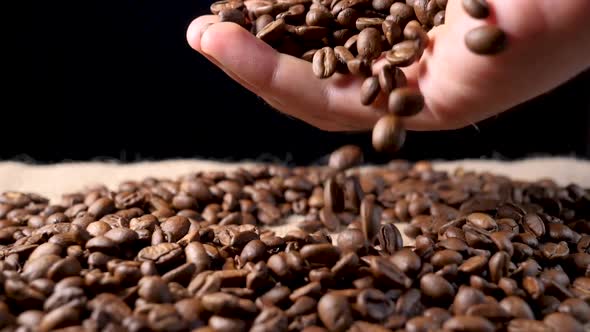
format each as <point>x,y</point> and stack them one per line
<point>405,102</point>
<point>391,77</point>
<point>388,134</point>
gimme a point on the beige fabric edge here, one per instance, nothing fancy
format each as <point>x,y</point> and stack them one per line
<point>53,180</point>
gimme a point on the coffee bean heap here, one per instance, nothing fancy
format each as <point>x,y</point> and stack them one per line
<point>197,254</point>
<point>350,36</point>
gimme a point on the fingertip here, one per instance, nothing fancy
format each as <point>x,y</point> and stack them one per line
<point>196,29</point>
<point>227,38</point>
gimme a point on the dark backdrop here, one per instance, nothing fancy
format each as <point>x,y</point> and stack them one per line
<point>116,79</point>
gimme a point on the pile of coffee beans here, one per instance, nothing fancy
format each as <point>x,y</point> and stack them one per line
<point>199,253</point>
<point>350,36</point>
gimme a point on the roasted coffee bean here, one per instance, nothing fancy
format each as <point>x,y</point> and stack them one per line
<point>368,22</point>
<point>308,33</point>
<point>343,55</point>
<point>59,317</point>
<point>403,53</point>
<point>388,134</point>
<point>533,224</point>
<point>370,90</point>
<point>406,261</point>
<point>425,11</point>
<point>387,272</point>
<point>273,31</point>
<point>414,31</point>
<point>333,196</point>
<point>359,67</point>
<point>294,15</point>
<point>351,240</point>
<point>270,319</point>
<point>161,253</point>
<point>312,289</point>
<point>329,219</point>
<point>101,207</point>
<point>382,5</point>
<point>220,5</point>
<point>318,17</point>
<point>369,43</point>
<point>439,18</point>
<point>390,78</point>
<point>346,156</point>
<point>474,265</point>
<point>261,22</point>
<point>405,101</point>
<point>226,304</point>
<point>391,31</point>
<point>154,289</point>
<point>560,321</point>
<point>370,214</point>
<point>576,308</point>
<point>335,312</point>
<point>476,8</point>
<point>517,307</point>
<point>468,323</point>
<point>347,17</point>
<point>324,63</point>
<point>323,253</point>
<point>232,15</point>
<point>486,40</point>
<point>390,239</point>
<point>401,13</point>
<point>374,304</point>
<point>446,257</point>
<point>225,324</point>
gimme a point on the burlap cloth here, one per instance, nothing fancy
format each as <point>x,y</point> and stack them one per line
<point>53,180</point>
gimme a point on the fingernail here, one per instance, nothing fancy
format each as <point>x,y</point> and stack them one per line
<point>204,28</point>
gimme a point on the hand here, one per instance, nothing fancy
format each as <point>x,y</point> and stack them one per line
<point>548,44</point>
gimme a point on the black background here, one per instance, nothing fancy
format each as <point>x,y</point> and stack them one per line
<point>116,80</point>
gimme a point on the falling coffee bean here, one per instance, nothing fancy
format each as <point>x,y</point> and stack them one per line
<point>390,78</point>
<point>388,134</point>
<point>405,101</point>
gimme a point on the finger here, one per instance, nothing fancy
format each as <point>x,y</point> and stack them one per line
<point>194,34</point>
<point>331,104</point>
<point>196,29</point>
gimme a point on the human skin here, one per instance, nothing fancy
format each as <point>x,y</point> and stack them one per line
<point>548,44</point>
